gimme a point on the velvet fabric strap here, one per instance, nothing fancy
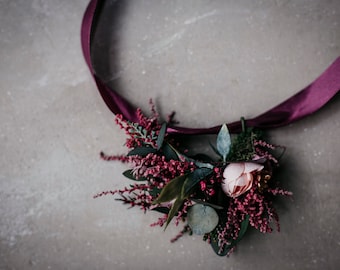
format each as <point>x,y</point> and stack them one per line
<point>304,103</point>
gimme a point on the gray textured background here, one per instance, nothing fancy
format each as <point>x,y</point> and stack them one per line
<point>212,62</point>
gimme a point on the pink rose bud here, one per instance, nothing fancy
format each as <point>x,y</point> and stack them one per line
<point>238,177</point>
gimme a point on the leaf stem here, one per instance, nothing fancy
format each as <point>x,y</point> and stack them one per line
<point>243,123</point>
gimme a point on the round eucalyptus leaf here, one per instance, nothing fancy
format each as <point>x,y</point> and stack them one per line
<point>202,219</point>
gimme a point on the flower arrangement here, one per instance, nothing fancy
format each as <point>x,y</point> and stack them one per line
<point>218,198</point>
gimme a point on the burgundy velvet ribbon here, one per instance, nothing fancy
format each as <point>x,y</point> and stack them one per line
<point>304,103</point>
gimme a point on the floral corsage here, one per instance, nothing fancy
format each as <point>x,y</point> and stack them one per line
<point>218,198</point>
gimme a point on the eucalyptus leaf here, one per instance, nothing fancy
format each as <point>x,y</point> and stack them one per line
<point>142,151</point>
<point>223,142</point>
<point>202,219</point>
<point>207,203</point>
<point>172,190</point>
<point>160,137</point>
<point>214,148</point>
<point>193,179</point>
<point>203,165</point>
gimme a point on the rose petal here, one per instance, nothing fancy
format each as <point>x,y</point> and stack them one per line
<point>251,167</point>
<point>233,170</point>
<point>242,180</point>
<point>241,190</point>
<point>236,192</point>
<point>250,182</point>
<point>228,186</point>
<point>247,184</point>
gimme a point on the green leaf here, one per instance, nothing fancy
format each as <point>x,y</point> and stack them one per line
<point>142,151</point>
<point>172,190</point>
<point>203,165</point>
<point>155,192</point>
<point>202,158</point>
<point>160,137</point>
<point>169,152</point>
<point>163,210</point>
<point>214,148</point>
<point>223,142</point>
<point>207,203</point>
<point>202,219</point>
<point>243,229</point>
<point>173,211</point>
<point>215,245</point>
<point>129,174</point>
<point>193,179</point>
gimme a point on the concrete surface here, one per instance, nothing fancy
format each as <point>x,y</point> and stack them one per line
<point>211,61</point>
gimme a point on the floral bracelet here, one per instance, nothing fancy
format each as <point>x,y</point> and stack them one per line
<point>217,197</point>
